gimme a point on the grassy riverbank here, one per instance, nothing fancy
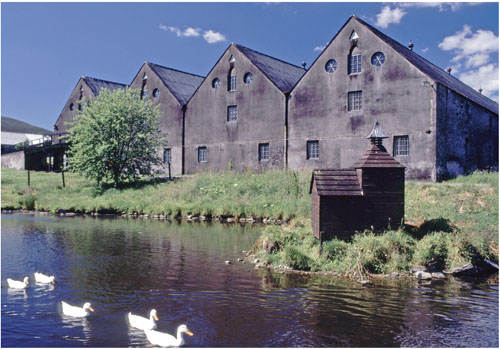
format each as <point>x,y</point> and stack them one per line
<point>448,224</point>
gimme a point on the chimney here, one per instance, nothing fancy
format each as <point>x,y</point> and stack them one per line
<point>410,45</point>
<point>304,65</point>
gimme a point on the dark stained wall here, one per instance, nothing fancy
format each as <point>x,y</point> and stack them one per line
<point>392,93</point>
<point>467,136</point>
<point>261,119</point>
<point>170,122</point>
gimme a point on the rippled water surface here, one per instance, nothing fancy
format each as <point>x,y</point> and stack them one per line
<point>122,265</point>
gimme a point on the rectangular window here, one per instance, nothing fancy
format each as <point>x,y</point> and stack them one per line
<point>202,154</point>
<point>354,100</point>
<point>312,150</point>
<point>264,152</point>
<point>232,83</point>
<point>167,156</point>
<point>232,113</point>
<point>354,64</point>
<point>401,146</point>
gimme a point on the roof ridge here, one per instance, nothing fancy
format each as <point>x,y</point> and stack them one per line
<point>263,54</point>
<point>113,82</point>
<point>177,70</point>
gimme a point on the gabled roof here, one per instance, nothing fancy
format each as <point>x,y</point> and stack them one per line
<point>97,84</point>
<point>331,182</point>
<point>182,85</point>
<point>435,73</point>
<point>376,157</point>
<point>282,74</point>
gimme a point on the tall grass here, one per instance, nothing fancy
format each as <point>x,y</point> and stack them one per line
<point>275,194</point>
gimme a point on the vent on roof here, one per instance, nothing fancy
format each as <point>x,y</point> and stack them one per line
<point>410,45</point>
<point>304,64</point>
<point>448,70</point>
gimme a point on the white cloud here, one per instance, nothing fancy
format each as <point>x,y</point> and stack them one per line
<point>388,16</point>
<point>477,60</point>
<point>209,35</point>
<point>212,37</point>
<point>191,32</point>
<point>319,48</point>
<point>465,43</point>
<point>424,50</point>
<point>442,6</point>
<point>485,77</point>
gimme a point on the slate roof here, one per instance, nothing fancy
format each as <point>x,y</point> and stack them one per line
<point>331,182</point>
<point>376,157</point>
<point>97,84</point>
<point>282,74</point>
<point>182,85</point>
<point>434,72</point>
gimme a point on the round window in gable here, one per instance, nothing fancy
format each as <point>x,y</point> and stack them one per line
<point>71,106</point>
<point>378,59</point>
<point>248,78</point>
<point>156,93</point>
<point>216,83</point>
<point>331,66</point>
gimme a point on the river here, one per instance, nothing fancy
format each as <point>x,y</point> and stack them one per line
<point>122,265</point>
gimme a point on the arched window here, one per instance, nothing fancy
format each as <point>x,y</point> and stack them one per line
<point>354,61</point>
<point>231,80</point>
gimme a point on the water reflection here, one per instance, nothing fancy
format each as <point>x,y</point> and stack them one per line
<point>128,265</point>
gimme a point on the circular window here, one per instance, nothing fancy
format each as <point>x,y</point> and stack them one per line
<point>216,83</point>
<point>71,106</point>
<point>331,66</point>
<point>248,78</point>
<point>156,93</point>
<point>378,59</point>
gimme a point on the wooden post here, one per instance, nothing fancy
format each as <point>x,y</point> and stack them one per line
<point>62,173</point>
<point>169,176</point>
<point>29,182</point>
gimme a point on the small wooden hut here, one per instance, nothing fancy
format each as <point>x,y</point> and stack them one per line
<point>369,195</point>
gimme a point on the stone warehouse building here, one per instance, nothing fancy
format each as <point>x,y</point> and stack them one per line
<point>255,111</point>
<point>438,126</point>
<point>171,89</point>
<point>237,117</point>
<point>85,89</point>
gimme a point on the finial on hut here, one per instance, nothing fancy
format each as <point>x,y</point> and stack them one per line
<point>377,134</point>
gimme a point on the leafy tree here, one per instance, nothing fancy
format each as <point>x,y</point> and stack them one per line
<point>115,137</point>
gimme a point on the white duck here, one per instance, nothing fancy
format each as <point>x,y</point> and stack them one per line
<point>143,323</point>
<point>71,310</point>
<point>44,279</point>
<point>167,340</point>
<point>18,284</point>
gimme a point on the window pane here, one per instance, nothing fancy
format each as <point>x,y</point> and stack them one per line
<point>232,113</point>
<point>264,152</point>
<point>354,100</point>
<point>401,146</point>
<point>354,64</point>
<point>312,150</point>
<point>202,154</point>
<point>167,156</point>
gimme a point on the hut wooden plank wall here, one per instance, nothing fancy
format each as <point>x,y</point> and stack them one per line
<point>369,195</point>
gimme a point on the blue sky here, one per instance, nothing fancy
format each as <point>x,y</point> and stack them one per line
<point>46,47</point>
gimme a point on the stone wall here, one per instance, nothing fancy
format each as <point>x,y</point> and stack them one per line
<point>13,160</point>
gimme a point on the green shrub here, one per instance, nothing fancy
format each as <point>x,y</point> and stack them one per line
<point>432,251</point>
<point>335,250</point>
<point>366,254</point>
<point>295,259</point>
